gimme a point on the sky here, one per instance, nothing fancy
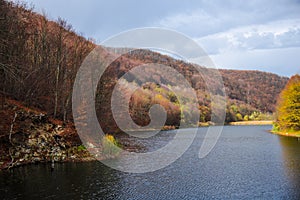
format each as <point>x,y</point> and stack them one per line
<point>236,34</point>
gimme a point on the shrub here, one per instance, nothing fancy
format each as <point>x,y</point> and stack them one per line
<point>110,145</point>
<point>81,148</point>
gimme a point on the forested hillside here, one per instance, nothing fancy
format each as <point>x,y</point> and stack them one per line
<point>39,60</point>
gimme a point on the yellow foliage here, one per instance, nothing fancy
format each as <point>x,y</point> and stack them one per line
<point>288,107</point>
<point>110,145</point>
<point>110,138</point>
<point>159,97</point>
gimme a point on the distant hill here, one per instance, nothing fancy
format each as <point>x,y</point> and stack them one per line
<point>39,60</point>
<point>257,88</point>
<point>249,93</point>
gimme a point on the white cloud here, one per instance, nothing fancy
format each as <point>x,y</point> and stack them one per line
<point>277,34</point>
<point>211,17</point>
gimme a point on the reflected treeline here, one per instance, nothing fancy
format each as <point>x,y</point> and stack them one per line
<point>291,157</point>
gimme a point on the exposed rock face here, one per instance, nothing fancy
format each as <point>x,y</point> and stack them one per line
<point>32,137</point>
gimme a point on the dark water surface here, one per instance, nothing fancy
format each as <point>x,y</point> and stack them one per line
<point>246,163</point>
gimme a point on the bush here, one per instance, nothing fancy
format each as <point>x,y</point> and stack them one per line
<point>239,117</point>
<point>110,145</point>
<point>81,148</point>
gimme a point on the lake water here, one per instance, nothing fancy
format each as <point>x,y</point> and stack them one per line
<point>246,163</point>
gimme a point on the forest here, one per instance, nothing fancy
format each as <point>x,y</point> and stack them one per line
<point>39,60</point>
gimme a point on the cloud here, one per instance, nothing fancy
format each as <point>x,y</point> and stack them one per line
<point>235,33</point>
<point>278,34</point>
<point>211,17</point>
<point>101,19</point>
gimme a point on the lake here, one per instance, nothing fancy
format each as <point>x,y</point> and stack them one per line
<point>246,163</point>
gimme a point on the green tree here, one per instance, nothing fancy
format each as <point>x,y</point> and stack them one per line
<point>288,106</point>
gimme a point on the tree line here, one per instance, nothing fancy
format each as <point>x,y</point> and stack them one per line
<point>39,58</point>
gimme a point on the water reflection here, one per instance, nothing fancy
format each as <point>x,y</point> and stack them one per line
<point>291,159</point>
<point>247,163</point>
<point>67,181</point>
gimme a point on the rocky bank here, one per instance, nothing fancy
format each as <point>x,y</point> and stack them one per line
<point>30,136</point>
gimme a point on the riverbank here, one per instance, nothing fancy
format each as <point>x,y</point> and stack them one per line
<point>288,134</point>
<point>29,136</point>
<point>264,122</point>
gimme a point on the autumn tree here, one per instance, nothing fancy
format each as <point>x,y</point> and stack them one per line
<point>288,106</point>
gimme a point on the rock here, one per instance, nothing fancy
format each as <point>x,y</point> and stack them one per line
<point>58,154</point>
<point>59,129</point>
<point>35,154</point>
<point>27,151</point>
<point>56,159</point>
<point>43,144</point>
<point>36,159</point>
<point>40,140</point>
<point>18,138</point>
<point>17,154</point>
<point>32,142</point>
<point>57,137</point>
<point>90,145</point>
<point>38,119</point>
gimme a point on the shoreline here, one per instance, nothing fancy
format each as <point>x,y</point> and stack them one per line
<point>246,123</point>
<point>286,134</point>
<point>82,155</point>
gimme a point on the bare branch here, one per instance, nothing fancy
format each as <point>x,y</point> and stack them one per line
<point>11,128</point>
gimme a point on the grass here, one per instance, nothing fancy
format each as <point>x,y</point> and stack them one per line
<point>81,148</point>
